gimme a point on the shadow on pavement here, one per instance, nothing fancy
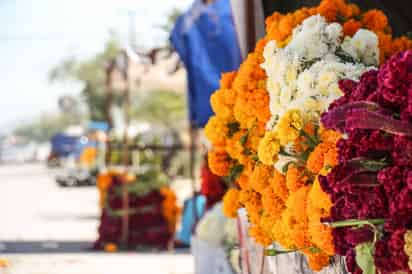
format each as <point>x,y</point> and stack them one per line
<point>47,247</point>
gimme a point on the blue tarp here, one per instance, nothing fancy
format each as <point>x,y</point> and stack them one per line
<point>188,218</point>
<point>63,145</point>
<point>98,125</point>
<point>206,41</point>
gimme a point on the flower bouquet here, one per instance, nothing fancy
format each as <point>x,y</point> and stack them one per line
<point>286,166</point>
<point>151,209</point>
<point>371,188</point>
<point>215,243</point>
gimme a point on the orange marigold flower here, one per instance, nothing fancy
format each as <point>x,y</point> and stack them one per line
<point>375,20</point>
<point>222,102</point>
<point>259,235</point>
<point>255,135</point>
<point>315,162</point>
<point>331,160</point>
<point>227,79</point>
<point>243,181</point>
<point>248,164</point>
<point>350,10</point>
<point>295,178</point>
<point>219,162</point>
<point>251,200</point>
<point>300,144</point>
<point>170,210</point>
<point>280,233</point>
<point>318,207</point>
<point>251,197</point>
<point>278,183</point>
<point>400,44</point>
<point>110,247</point>
<point>295,218</point>
<point>385,46</point>
<point>318,260</point>
<point>216,130</point>
<point>351,27</point>
<point>271,203</point>
<point>269,148</point>
<point>252,106</point>
<point>328,135</point>
<point>231,203</point>
<point>330,9</point>
<point>233,145</point>
<point>4,263</point>
<point>249,74</point>
<point>266,224</point>
<point>104,181</point>
<point>261,177</point>
<point>260,45</point>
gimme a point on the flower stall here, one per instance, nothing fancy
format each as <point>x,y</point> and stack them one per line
<point>151,208</point>
<point>313,133</point>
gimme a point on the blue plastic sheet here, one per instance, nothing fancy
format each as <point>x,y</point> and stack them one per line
<point>188,218</point>
<point>206,41</point>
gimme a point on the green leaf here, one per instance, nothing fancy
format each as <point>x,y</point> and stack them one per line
<point>247,152</point>
<point>364,257</point>
<point>286,166</point>
<point>255,158</point>
<point>234,173</point>
<point>244,138</point>
<point>233,128</point>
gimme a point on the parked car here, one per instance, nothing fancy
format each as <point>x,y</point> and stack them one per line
<point>76,177</point>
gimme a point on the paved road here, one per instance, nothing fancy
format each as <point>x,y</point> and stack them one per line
<point>46,229</point>
<point>33,207</point>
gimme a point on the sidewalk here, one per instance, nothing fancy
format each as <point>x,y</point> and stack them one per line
<point>99,263</point>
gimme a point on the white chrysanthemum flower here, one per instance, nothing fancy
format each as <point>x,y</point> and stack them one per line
<point>305,73</point>
<point>363,46</point>
<point>314,38</point>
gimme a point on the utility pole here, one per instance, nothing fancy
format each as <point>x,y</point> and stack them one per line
<point>132,28</point>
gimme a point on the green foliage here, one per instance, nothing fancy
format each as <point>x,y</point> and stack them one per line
<point>364,257</point>
<point>46,126</point>
<point>234,174</point>
<point>233,128</point>
<point>91,73</point>
<point>163,107</point>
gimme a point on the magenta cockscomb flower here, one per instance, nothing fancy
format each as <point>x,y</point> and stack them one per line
<point>371,188</point>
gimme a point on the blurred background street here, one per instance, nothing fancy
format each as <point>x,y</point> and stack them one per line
<point>34,208</point>
<point>50,230</point>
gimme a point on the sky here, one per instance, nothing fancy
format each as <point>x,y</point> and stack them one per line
<point>35,35</point>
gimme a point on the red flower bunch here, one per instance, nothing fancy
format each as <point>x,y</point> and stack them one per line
<point>212,186</point>
<point>371,188</point>
<point>148,225</point>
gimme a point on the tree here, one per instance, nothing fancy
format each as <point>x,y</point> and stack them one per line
<point>43,128</point>
<point>91,73</point>
<point>166,108</point>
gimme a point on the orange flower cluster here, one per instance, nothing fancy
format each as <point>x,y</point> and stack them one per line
<point>231,203</point>
<point>283,207</point>
<point>376,21</point>
<point>170,210</point>
<point>219,162</point>
<point>103,182</point>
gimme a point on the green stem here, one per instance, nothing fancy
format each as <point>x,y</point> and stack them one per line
<point>312,140</point>
<point>284,153</point>
<point>275,252</point>
<point>355,222</point>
